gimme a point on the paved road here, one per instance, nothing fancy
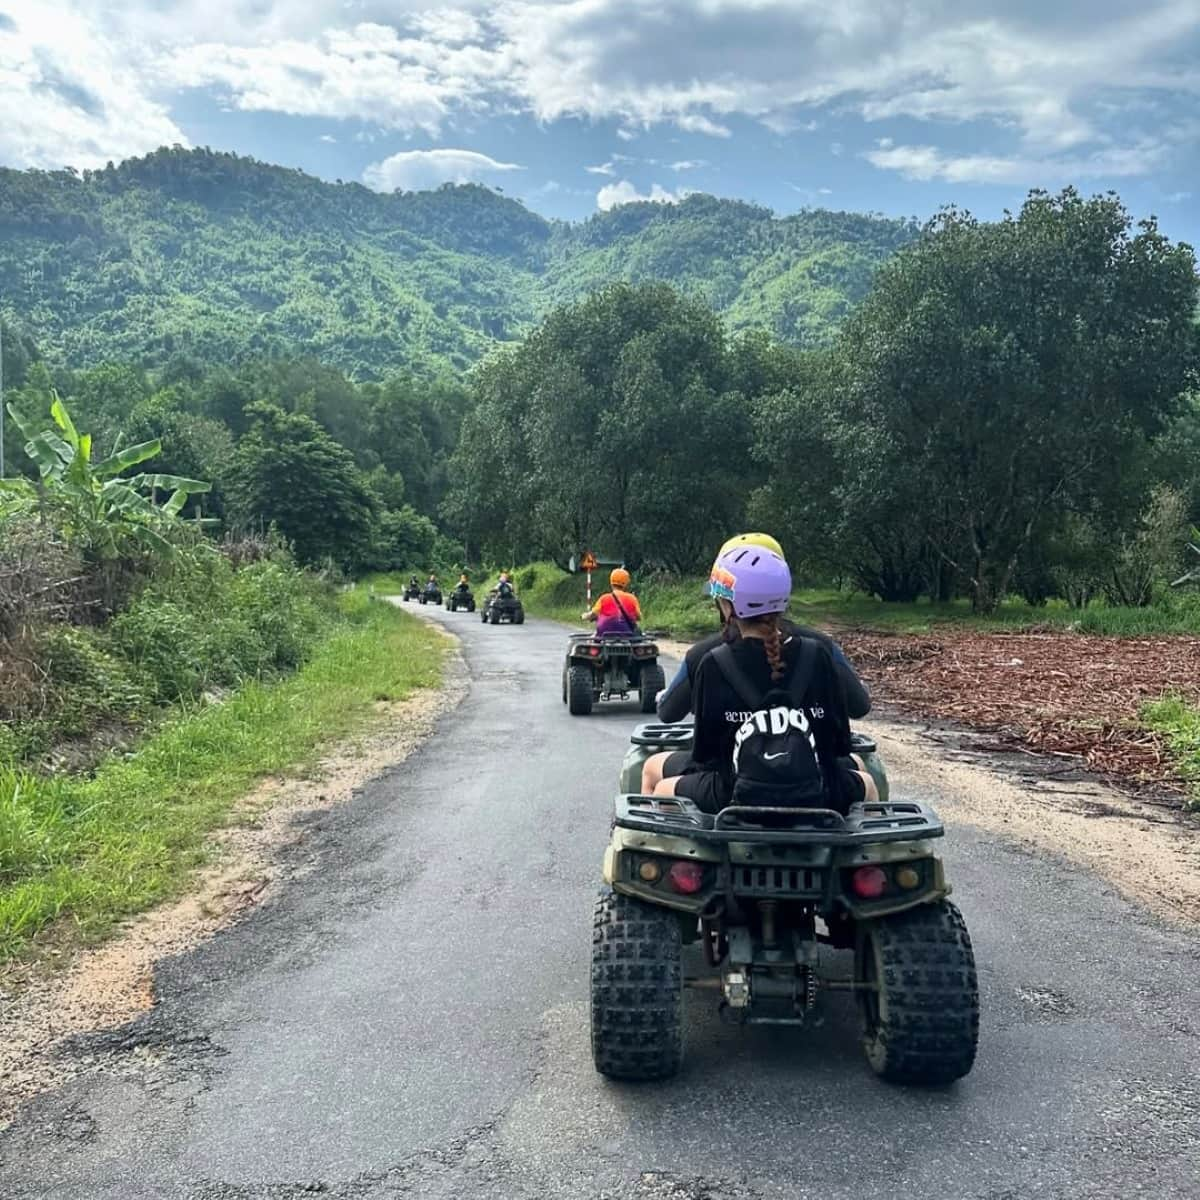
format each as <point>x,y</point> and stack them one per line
<point>412,1020</point>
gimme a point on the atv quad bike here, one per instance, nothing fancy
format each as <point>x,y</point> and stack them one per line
<point>767,894</point>
<point>431,594</point>
<point>657,737</point>
<point>609,668</point>
<point>412,591</point>
<point>503,608</point>
<point>460,598</point>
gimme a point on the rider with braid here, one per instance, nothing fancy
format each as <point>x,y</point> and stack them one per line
<point>752,587</point>
<point>675,702</point>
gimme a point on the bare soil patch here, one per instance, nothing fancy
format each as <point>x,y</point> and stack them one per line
<point>1055,693</point>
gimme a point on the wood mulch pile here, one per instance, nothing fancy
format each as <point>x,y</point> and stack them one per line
<point>1048,692</point>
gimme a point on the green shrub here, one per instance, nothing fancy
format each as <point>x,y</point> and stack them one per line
<point>87,682</point>
<point>286,610</point>
<point>1177,722</point>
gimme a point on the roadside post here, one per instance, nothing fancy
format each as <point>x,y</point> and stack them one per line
<point>588,563</point>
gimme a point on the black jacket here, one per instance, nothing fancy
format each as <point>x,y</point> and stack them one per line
<point>676,701</point>
<point>720,710</point>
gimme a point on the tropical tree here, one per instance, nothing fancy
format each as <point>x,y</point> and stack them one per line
<point>1017,368</point>
<point>288,472</point>
<point>99,508</point>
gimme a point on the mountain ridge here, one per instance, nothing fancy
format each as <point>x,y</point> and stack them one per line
<point>221,257</point>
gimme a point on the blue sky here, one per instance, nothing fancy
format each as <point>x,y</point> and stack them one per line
<point>893,106</point>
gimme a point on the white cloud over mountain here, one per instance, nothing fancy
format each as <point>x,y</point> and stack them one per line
<point>1100,86</point>
<point>624,192</point>
<point>414,170</point>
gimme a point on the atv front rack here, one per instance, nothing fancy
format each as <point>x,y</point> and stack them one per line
<point>894,821</point>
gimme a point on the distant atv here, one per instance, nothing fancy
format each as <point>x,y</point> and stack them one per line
<point>506,607</point>
<point>610,668</point>
<point>460,598</point>
<point>412,591</point>
<point>431,593</point>
<point>765,892</point>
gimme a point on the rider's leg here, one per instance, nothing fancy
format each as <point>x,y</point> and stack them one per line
<point>860,784</point>
<point>663,766</point>
<point>652,772</point>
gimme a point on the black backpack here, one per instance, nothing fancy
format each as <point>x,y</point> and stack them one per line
<point>775,760</point>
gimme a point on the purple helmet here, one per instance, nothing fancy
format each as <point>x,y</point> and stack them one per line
<point>753,579</point>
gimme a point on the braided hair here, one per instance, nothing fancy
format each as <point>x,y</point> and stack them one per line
<point>772,640</point>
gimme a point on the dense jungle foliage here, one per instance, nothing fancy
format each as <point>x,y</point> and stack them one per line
<point>225,259</point>
<point>1011,409</point>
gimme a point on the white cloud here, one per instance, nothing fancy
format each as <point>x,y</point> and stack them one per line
<point>413,170</point>
<point>82,80</point>
<point>608,168</point>
<point>926,163</point>
<point>368,71</point>
<point>689,164</point>
<point>70,96</point>
<point>699,123</point>
<point>328,137</point>
<point>447,25</point>
<point>624,192</point>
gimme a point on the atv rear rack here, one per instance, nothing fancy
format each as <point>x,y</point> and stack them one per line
<point>894,821</point>
<point>665,736</point>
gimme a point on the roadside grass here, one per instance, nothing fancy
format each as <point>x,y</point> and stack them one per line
<point>1178,723</point>
<point>679,608</point>
<point>82,852</point>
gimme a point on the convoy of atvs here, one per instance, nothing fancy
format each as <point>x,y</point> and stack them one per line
<point>500,604</point>
<point>769,906</point>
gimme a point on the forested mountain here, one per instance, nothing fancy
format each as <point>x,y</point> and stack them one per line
<point>220,258</point>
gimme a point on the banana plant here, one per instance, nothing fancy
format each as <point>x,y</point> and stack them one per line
<point>103,507</point>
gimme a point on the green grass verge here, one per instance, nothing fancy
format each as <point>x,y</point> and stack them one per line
<point>1178,723</point>
<point>679,608</point>
<point>84,852</point>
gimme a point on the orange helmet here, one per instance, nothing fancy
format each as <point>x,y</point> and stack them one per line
<point>619,578</point>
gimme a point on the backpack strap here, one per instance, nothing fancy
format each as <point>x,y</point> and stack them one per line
<point>737,679</point>
<point>802,671</point>
<point>796,683</point>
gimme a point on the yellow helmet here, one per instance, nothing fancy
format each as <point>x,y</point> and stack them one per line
<point>752,539</point>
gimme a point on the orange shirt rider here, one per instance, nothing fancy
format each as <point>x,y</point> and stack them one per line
<point>616,612</point>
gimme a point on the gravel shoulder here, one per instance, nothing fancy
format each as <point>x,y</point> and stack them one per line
<point>47,1010</point>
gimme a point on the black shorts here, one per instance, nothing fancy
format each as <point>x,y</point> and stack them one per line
<point>854,787</point>
<point>709,790</point>
<point>678,763</point>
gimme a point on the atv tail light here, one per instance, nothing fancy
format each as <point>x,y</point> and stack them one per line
<point>686,877</point>
<point>594,651</point>
<point>650,871</point>
<point>908,878</point>
<point>869,883</point>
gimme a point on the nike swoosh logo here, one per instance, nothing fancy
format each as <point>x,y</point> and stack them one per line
<point>772,757</point>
